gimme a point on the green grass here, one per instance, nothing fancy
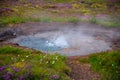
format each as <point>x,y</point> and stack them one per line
<point>45,19</point>
<point>32,65</point>
<point>104,22</point>
<point>93,20</point>
<point>109,23</point>
<point>9,50</point>
<point>83,60</point>
<point>59,1</point>
<point>95,1</point>
<point>18,19</point>
<point>105,63</point>
<point>74,20</point>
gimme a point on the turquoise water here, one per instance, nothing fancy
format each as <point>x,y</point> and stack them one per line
<point>39,44</point>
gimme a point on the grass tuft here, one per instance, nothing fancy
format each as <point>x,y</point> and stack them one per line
<point>74,20</point>
<point>18,19</point>
<point>12,50</point>
<point>93,20</point>
<point>20,64</point>
<point>59,1</point>
<point>83,60</point>
<point>107,64</point>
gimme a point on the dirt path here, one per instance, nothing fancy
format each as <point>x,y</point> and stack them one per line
<point>80,71</point>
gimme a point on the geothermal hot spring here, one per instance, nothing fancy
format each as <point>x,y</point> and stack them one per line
<point>70,41</point>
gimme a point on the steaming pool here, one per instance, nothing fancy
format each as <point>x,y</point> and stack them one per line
<point>70,41</point>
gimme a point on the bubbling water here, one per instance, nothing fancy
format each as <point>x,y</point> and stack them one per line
<point>60,42</point>
<point>44,44</point>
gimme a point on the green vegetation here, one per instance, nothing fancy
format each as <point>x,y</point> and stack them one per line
<point>16,63</point>
<point>105,63</point>
<point>95,1</point>
<point>12,50</point>
<point>109,23</point>
<point>16,19</point>
<point>83,60</point>
<point>59,1</point>
<point>72,12</point>
<point>74,20</point>
<point>93,20</point>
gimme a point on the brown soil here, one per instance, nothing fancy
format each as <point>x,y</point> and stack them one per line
<point>81,71</point>
<point>116,44</point>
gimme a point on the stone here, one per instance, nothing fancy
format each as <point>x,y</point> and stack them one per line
<point>7,34</point>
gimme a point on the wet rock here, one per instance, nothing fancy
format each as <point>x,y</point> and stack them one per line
<point>116,44</point>
<point>7,34</point>
<point>82,1</point>
<point>86,2</point>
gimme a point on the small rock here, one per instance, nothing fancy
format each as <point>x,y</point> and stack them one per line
<point>7,34</point>
<point>82,1</point>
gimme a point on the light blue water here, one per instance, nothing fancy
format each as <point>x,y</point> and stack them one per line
<point>39,44</point>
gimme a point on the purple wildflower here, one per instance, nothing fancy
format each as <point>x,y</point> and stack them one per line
<point>10,73</point>
<point>6,77</point>
<point>113,0</point>
<point>15,69</point>
<point>2,68</point>
<point>56,77</point>
<point>6,9</point>
<point>21,78</point>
